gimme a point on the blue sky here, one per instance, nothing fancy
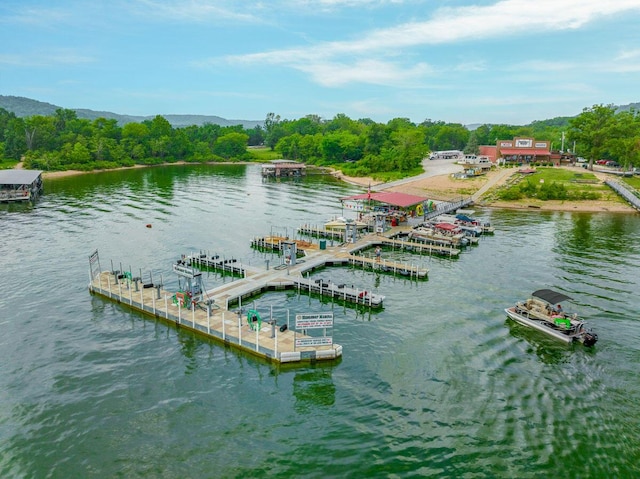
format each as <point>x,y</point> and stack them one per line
<point>466,61</point>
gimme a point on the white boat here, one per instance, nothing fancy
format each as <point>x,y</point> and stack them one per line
<point>470,224</point>
<point>468,229</point>
<point>543,312</point>
<point>466,220</point>
<point>444,234</point>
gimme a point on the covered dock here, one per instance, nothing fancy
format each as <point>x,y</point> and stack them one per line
<point>283,169</point>
<point>20,185</point>
<point>395,206</point>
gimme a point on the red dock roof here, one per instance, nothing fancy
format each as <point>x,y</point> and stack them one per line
<point>401,200</point>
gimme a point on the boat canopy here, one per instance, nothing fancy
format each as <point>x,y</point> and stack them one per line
<point>447,226</point>
<point>551,297</point>
<point>464,218</point>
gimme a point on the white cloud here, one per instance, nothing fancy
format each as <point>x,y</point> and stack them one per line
<point>363,71</point>
<point>334,63</point>
<point>40,17</point>
<point>45,59</point>
<point>200,10</point>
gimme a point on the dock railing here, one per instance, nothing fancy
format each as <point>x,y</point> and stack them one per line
<point>447,207</point>
<point>626,192</point>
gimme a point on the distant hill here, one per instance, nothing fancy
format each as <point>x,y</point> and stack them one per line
<point>23,107</point>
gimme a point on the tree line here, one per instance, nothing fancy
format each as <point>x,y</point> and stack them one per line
<point>357,147</point>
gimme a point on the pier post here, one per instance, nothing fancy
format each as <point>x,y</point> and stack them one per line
<point>153,304</point>
<point>109,284</point>
<point>166,307</point>
<point>224,332</point>
<point>239,328</point>
<point>257,339</point>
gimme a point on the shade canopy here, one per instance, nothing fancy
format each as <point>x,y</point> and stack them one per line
<point>19,177</point>
<point>552,297</point>
<point>392,198</point>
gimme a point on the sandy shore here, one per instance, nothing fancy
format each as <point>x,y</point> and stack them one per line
<point>445,188</point>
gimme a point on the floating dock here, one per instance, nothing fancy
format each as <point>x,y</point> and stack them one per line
<point>20,185</point>
<point>277,341</point>
<point>209,312</point>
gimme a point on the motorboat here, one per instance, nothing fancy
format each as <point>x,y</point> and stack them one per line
<point>465,220</point>
<point>470,229</point>
<point>444,234</point>
<point>468,223</point>
<point>543,312</point>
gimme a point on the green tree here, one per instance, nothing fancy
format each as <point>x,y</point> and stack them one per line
<point>232,145</point>
<point>273,130</point>
<point>591,129</point>
<point>375,137</point>
<point>341,146</point>
<point>159,127</point>
<point>472,147</point>
<point>12,134</point>
<point>451,137</point>
<point>39,132</point>
<point>80,154</point>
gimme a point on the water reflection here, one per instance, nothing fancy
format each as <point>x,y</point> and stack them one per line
<point>549,350</point>
<point>313,389</point>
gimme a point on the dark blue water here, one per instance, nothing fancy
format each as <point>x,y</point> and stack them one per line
<point>437,384</point>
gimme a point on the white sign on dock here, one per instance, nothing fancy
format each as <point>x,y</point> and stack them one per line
<point>323,341</point>
<point>314,320</point>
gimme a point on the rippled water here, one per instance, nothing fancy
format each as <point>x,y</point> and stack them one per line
<point>438,384</point>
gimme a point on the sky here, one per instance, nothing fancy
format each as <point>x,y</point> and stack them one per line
<point>459,61</point>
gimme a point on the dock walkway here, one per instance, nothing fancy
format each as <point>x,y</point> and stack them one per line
<point>269,340</point>
<point>274,340</point>
<point>626,192</point>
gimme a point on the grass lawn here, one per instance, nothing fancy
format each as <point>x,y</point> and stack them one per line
<point>550,183</point>
<point>633,181</point>
<point>264,154</point>
<point>7,164</point>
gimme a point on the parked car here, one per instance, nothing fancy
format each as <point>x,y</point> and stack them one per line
<point>612,164</point>
<point>581,160</point>
<point>601,162</point>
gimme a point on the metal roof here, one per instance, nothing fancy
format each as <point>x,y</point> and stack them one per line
<point>393,198</point>
<point>18,177</point>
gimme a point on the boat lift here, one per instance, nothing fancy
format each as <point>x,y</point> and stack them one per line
<point>191,288</point>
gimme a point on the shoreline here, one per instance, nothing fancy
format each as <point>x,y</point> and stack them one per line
<point>440,188</point>
<point>444,188</point>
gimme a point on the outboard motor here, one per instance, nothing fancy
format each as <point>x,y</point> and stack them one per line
<point>590,339</point>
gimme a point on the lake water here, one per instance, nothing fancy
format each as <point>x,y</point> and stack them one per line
<point>437,384</point>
